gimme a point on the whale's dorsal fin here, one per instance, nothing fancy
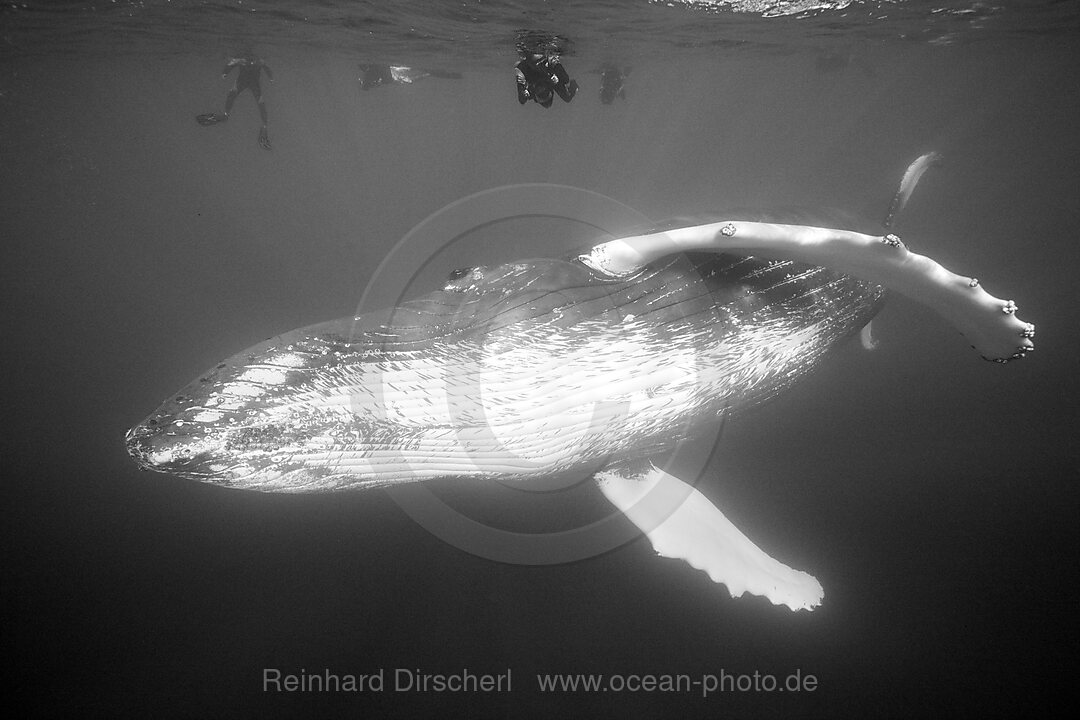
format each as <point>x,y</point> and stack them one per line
<point>681,523</point>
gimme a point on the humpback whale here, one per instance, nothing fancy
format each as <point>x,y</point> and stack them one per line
<point>590,364</point>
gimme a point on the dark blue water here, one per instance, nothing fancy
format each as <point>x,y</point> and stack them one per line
<point>933,494</point>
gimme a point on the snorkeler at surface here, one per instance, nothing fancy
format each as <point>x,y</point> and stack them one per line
<point>372,76</point>
<point>250,69</point>
<point>540,76</point>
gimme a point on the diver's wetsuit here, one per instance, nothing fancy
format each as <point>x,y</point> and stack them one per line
<point>535,72</point>
<point>247,79</point>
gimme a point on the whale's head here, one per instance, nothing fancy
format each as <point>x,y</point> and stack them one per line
<point>241,424</point>
<point>186,438</point>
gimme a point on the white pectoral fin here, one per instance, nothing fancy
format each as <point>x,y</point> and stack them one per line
<point>680,522</point>
<point>989,323</point>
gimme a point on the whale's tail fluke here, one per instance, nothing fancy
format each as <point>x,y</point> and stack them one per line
<point>907,186</point>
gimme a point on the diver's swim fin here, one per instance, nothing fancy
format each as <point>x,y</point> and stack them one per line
<point>210,118</point>
<point>264,138</point>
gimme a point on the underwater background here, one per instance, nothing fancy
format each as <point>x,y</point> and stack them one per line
<point>932,493</point>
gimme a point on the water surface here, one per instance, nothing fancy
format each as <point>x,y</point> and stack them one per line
<point>933,494</point>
